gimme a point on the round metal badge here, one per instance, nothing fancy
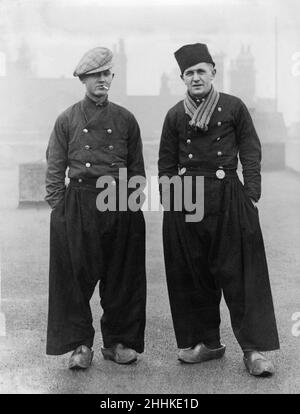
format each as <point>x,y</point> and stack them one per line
<point>220,174</point>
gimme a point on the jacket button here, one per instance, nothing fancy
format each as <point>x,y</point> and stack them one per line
<point>219,109</point>
<point>111,147</point>
<point>220,153</point>
<point>190,156</point>
<point>109,131</point>
<point>88,164</point>
<point>218,139</point>
<point>188,141</point>
<point>80,180</point>
<point>85,130</point>
<point>219,123</point>
<point>87,147</point>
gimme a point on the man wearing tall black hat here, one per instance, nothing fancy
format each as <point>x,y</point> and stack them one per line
<point>203,135</point>
<point>94,138</point>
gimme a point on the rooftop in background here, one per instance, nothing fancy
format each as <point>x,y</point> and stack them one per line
<point>38,101</point>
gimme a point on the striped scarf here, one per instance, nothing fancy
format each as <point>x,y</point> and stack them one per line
<point>200,116</point>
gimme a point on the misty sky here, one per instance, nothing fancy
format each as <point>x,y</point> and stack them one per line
<point>59,32</point>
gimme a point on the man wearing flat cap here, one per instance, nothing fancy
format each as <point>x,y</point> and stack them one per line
<point>203,136</point>
<point>94,138</point>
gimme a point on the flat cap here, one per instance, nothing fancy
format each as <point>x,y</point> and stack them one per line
<point>190,55</point>
<point>93,61</point>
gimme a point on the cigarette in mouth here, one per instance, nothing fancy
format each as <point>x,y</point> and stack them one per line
<point>105,87</point>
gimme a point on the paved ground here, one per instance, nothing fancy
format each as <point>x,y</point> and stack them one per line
<point>24,367</point>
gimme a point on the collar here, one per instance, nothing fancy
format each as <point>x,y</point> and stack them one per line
<point>92,104</point>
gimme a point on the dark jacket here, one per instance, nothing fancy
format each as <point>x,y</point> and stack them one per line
<point>92,140</point>
<point>231,132</point>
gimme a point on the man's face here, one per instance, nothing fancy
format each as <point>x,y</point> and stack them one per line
<point>198,79</point>
<point>98,84</point>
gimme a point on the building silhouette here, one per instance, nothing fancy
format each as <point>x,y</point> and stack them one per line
<point>31,104</point>
<point>242,76</point>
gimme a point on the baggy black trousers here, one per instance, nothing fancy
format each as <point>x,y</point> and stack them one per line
<point>87,246</point>
<point>222,253</point>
